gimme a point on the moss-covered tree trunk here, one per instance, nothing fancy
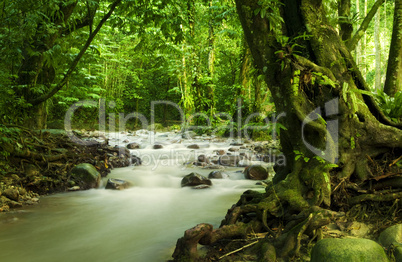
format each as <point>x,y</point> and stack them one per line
<point>333,133</point>
<point>393,82</point>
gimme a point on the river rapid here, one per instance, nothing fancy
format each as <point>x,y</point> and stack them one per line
<point>141,223</point>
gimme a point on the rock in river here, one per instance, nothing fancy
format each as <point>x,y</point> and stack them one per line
<point>256,172</point>
<point>116,184</point>
<point>133,146</point>
<point>195,179</point>
<point>218,175</point>
<point>85,175</point>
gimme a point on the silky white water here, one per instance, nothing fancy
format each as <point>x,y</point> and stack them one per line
<point>141,223</point>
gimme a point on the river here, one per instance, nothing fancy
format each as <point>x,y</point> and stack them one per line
<point>141,223</point>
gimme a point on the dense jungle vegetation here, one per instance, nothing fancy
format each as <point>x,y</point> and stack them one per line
<point>297,57</point>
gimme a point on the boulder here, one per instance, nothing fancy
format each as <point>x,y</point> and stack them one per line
<point>12,193</point>
<point>229,160</point>
<point>218,175</point>
<point>116,184</point>
<point>392,236</point>
<point>194,146</point>
<point>256,172</point>
<point>136,161</point>
<point>220,152</point>
<point>74,188</point>
<point>348,249</point>
<point>85,175</point>
<point>195,179</point>
<point>133,146</point>
<point>203,158</point>
<point>157,146</point>
<point>234,149</point>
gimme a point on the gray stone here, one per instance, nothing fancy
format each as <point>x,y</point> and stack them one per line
<point>86,176</point>
<point>116,184</point>
<point>74,188</point>
<point>349,249</point>
<point>194,179</point>
<point>234,149</point>
<point>203,158</point>
<point>218,175</point>
<point>256,172</point>
<point>392,237</point>
<point>194,146</point>
<point>133,146</point>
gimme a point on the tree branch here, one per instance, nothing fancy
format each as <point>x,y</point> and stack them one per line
<point>74,64</point>
<point>352,43</point>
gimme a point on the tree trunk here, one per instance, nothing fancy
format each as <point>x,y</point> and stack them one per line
<point>393,81</point>
<point>344,19</point>
<point>377,44</point>
<point>331,131</point>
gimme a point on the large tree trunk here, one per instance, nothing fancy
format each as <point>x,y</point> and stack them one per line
<point>321,83</point>
<point>393,81</point>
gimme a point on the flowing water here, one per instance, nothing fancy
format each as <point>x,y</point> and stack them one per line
<point>141,223</point>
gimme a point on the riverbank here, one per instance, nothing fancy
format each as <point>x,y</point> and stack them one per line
<point>35,163</point>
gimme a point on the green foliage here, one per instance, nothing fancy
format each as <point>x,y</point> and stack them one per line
<point>391,106</point>
<point>322,79</point>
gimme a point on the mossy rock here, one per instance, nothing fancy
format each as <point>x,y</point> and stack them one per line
<point>349,249</point>
<point>392,238</point>
<point>86,176</point>
<point>256,172</point>
<point>194,179</point>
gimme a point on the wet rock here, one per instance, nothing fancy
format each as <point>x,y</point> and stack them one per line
<point>392,237</point>
<point>136,161</point>
<point>220,152</point>
<point>116,184</point>
<point>195,179</point>
<point>256,172</point>
<point>12,193</point>
<point>212,166</point>
<point>236,144</point>
<point>201,187</point>
<point>229,160</point>
<point>74,188</point>
<point>203,158</point>
<point>234,149</point>
<point>157,146</point>
<point>349,249</point>
<point>126,141</point>
<point>194,146</point>
<point>133,146</point>
<point>218,175</point>
<point>196,163</point>
<point>86,176</point>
